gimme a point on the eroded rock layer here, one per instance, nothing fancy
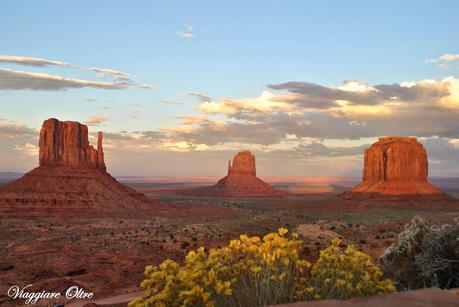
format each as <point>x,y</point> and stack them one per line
<point>66,144</point>
<point>72,176</point>
<point>241,181</point>
<point>395,167</point>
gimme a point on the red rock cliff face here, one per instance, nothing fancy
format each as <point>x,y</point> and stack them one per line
<point>395,159</point>
<point>66,144</point>
<point>71,179</point>
<point>241,181</point>
<point>243,164</point>
<point>394,166</point>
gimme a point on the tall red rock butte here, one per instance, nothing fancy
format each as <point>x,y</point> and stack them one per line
<point>241,180</point>
<point>395,168</point>
<point>66,144</point>
<point>71,175</point>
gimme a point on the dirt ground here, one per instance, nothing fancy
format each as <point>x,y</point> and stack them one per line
<point>107,255</point>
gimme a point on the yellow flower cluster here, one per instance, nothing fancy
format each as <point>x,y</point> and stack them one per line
<point>254,271</point>
<point>344,274</point>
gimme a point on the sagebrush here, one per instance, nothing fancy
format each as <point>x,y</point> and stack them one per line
<point>424,256</point>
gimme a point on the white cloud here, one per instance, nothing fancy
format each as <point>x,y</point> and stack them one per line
<point>10,131</point>
<point>32,61</point>
<point>212,107</point>
<point>355,86</point>
<point>201,97</point>
<point>448,57</point>
<point>145,86</point>
<point>16,80</point>
<point>96,120</point>
<point>444,60</point>
<point>192,119</point>
<point>22,80</point>
<point>111,73</point>
<point>266,102</point>
<point>27,149</point>
<point>187,33</point>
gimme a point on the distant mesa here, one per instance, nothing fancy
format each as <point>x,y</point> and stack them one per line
<point>241,181</point>
<point>71,176</point>
<point>395,168</point>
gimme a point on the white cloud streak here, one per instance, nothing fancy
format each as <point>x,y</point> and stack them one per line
<point>444,60</point>
<point>40,62</point>
<point>18,79</point>
<point>96,120</point>
<point>187,33</point>
<point>21,80</point>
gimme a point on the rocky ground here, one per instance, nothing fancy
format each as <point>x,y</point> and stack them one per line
<point>108,255</point>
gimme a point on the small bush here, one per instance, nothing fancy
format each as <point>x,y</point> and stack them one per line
<point>253,271</point>
<point>248,272</point>
<point>342,274</point>
<point>424,256</point>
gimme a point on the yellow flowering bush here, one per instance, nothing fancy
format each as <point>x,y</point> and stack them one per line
<point>342,274</point>
<point>250,271</point>
<point>254,271</point>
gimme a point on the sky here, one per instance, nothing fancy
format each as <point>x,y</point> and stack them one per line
<point>179,87</point>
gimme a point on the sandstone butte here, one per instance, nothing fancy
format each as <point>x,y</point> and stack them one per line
<point>71,176</point>
<point>395,168</point>
<point>241,181</point>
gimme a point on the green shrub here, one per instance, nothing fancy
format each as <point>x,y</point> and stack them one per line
<point>424,256</point>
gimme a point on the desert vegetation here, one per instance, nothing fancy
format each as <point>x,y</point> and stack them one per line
<point>424,256</point>
<point>110,254</point>
<point>254,271</point>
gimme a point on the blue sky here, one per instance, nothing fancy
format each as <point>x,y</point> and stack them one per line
<point>234,50</point>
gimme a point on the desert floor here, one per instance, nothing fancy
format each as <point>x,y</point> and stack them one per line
<point>107,256</point>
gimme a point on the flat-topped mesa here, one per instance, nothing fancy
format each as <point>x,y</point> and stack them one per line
<point>66,144</point>
<point>395,167</point>
<point>243,164</point>
<point>396,159</point>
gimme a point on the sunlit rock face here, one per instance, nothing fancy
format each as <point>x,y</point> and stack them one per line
<point>241,180</point>
<point>243,164</point>
<point>396,159</point>
<point>66,144</point>
<point>71,176</point>
<point>394,166</point>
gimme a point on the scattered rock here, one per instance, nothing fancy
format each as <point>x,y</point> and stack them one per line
<point>76,272</point>
<point>6,267</point>
<point>313,231</point>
